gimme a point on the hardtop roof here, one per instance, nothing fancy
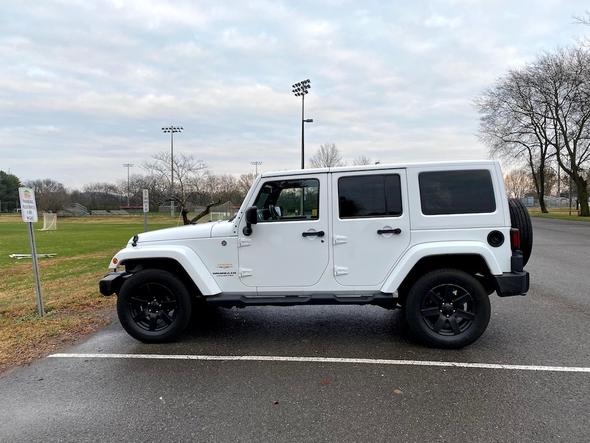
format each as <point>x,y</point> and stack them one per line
<point>381,166</point>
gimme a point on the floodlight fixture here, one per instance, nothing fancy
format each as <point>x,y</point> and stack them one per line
<point>301,89</point>
<point>172,130</point>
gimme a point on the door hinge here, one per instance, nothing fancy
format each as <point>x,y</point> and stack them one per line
<point>340,239</point>
<point>243,242</point>
<point>340,270</point>
<point>245,272</point>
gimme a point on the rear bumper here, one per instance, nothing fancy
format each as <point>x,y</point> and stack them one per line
<point>512,283</point>
<point>112,282</point>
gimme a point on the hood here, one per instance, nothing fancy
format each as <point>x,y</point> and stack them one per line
<point>202,230</point>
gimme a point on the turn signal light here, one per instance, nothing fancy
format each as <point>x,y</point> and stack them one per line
<point>515,238</point>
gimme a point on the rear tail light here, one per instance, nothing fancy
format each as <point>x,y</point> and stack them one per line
<point>515,238</point>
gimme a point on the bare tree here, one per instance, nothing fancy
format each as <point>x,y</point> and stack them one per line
<point>327,156</point>
<point>562,80</point>
<point>245,182</point>
<point>187,174</point>
<point>362,160</point>
<point>582,19</point>
<point>516,126</point>
<point>50,195</point>
<point>519,183</point>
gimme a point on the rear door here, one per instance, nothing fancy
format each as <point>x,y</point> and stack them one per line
<point>371,225</point>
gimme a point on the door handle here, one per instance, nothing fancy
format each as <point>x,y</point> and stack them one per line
<point>313,234</point>
<point>389,231</point>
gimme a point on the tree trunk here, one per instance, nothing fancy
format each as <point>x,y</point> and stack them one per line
<point>542,189</point>
<point>201,214</point>
<point>539,182</point>
<point>543,205</point>
<point>582,191</point>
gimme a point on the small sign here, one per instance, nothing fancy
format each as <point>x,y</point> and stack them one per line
<point>146,201</point>
<point>28,206</point>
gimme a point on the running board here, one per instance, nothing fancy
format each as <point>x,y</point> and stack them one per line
<point>241,300</point>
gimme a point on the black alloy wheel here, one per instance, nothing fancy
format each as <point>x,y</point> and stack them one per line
<point>154,306</point>
<point>447,308</point>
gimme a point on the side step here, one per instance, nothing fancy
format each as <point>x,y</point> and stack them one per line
<point>239,300</point>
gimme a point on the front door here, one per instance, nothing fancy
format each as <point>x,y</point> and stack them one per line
<point>289,246</point>
<point>371,225</point>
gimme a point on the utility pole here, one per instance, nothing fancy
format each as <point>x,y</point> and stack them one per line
<point>172,130</point>
<point>301,89</point>
<point>128,166</point>
<point>256,164</point>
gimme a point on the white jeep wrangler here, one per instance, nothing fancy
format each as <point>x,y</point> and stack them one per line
<point>434,239</point>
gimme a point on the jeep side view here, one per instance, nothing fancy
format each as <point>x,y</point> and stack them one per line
<point>434,239</point>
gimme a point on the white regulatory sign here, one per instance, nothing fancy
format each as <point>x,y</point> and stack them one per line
<point>146,201</point>
<point>28,207</point>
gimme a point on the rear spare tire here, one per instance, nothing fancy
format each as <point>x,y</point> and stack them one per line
<point>520,219</point>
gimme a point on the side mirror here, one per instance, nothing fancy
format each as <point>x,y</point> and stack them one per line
<point>251,219</point>
<point>252,215</point>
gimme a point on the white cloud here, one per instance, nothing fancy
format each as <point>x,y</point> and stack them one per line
<point>86,85</point>
<point>441,21</point>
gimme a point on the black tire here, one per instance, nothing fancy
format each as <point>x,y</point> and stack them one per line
<point>520,219</point>
<point>447,308</point>
<point>154,306</point>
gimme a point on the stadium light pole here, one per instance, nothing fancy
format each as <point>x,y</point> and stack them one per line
<point>256,164</point>
<point>172,130</point>
<point>301,89</point>
<point>128,166</point>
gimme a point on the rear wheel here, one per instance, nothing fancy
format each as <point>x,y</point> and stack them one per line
<point>154,306</point>
<point>447,308</point>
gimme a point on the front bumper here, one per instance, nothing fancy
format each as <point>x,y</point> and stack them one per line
<point>512,283</point>
<point>112,282</point>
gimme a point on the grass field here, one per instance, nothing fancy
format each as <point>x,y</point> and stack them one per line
<point>559,214</point>
<point>74,306</point>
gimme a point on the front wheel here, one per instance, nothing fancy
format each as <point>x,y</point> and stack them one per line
<point>154,306</point>
<point>447,308</point>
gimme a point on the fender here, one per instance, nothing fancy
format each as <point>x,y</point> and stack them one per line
<point>185,256</point>
<point>417,252</point>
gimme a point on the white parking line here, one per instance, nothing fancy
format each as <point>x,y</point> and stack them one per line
<point>363,361</point>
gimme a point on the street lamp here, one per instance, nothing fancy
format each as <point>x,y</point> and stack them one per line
<point>256,164</point>
<point>172,129</point>
<point>128,166</point>
<point>300,90</point>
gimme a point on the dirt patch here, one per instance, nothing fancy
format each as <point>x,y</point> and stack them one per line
<point>22,345</point>
<point>73,305</point>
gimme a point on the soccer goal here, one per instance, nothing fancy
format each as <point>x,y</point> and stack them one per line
<point>49,221</point>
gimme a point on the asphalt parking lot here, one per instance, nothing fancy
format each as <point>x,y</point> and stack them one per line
<point>87,398</point>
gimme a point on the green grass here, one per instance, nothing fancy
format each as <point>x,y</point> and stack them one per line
<point>558,214</point>
<point>73,237</point>
<point>69,280</point>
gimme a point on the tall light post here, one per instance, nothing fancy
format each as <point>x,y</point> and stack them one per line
<point>172,130</point>
<point>128,166</point>
<point>256,164</point>
<point>300,90</point>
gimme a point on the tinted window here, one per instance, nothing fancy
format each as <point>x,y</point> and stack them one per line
<point>289,200</point>
<point>369,196</point>
<point>456,192</point>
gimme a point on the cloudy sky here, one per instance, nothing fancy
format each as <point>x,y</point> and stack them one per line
<point>87,85</point>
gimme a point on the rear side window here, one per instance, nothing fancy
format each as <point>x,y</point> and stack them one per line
<point>369,196</point>
<point>457,192</point>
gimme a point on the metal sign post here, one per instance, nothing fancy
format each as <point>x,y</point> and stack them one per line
<point>29,215</point>
<point>146,208</point>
